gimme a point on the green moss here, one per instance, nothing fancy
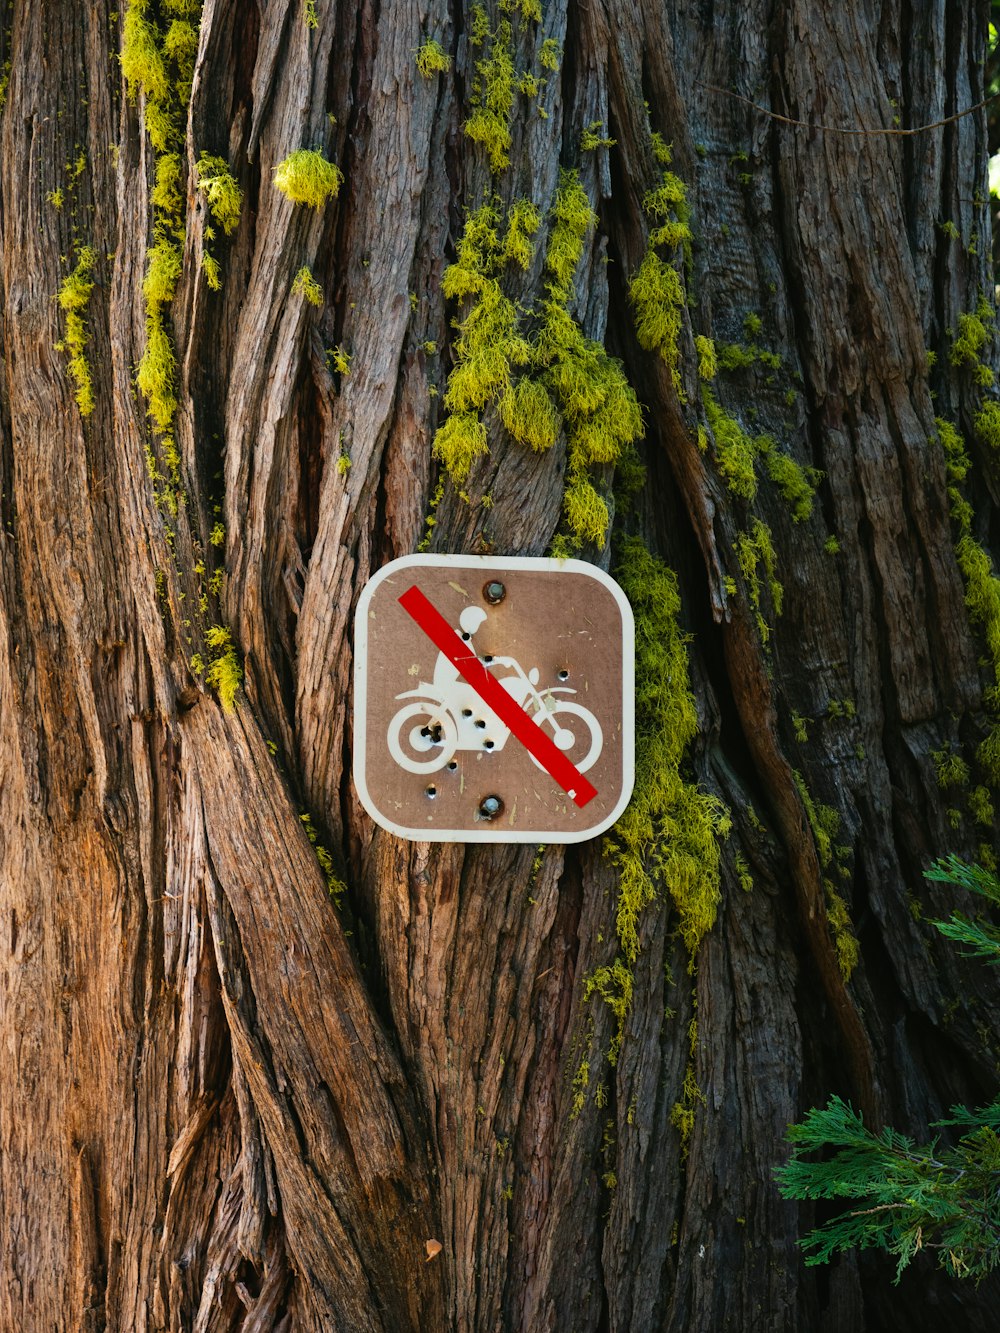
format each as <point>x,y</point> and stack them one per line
<point>587,515</point>
<point>489,123</point>
<point>572,218</point>
<point>306,177</point>
<point>488,348</point>
<point>800,727</point>
<point>224,674</point>
<point>222,194</point>
<point>668,836</point>
<point>306,286</point>
<point>732,356</point>
<point>74,296</point>
<point>656,291</point>
<point>735,450</point>
<point>309,16</point>
<point>791,480</point>
<point>557,380</point>
<point>55,198</point>
<point>831,546</point>
<point>432,58</point>
<point>669,833</point>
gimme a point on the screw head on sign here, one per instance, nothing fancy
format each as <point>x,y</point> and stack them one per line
<point>494,592</point>
<point>490,807</point>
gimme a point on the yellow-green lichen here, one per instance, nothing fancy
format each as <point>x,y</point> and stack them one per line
<point>973,335</point>
<point>222,193</point>
<point>459,442</point>
<point>306,177</point>
<point>951,769</point>
<point>594,136</point>
<point>657,294</point>
<point>335,885</point>
<point>527,411</point>
<point>163,271</point>
<point>548,56</point>
<point>743,875</point>
<point>143,66</point>
<point>493,99</point>
<point>707,363</point>
<point>432,58</point>
<point>74,296</point>
<point>339,361</point>
<point>755,548</point>
<point>682,1113</point>
<point>980,806</point>
<point>306,286</point>
<point>224,674</point>
<point>987,426</point>
<point>166,193</point>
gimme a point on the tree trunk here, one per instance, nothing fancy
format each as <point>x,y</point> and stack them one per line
<point>234,1104</point>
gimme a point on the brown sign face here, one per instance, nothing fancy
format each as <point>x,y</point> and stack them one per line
<point>493,699</point>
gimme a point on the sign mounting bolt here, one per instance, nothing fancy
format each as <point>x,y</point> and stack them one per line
<point>494,592</point>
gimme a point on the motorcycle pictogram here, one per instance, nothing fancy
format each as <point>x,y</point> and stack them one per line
<point>447,716</point>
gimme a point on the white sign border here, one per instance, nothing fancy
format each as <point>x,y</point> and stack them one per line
<point>492,832</point>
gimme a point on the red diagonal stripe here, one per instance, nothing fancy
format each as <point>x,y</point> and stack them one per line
<point>489,689</point>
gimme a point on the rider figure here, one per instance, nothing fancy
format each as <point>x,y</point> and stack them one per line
<point>449,681</point>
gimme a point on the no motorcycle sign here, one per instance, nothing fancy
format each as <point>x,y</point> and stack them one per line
<point>493,699</point>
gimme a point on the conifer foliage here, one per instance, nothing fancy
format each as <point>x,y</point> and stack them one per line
<point>908,1197</point>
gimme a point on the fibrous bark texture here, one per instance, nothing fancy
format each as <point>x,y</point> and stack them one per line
<point>231,1103</point>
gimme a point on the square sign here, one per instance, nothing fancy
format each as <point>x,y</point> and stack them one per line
<point>493,699</point>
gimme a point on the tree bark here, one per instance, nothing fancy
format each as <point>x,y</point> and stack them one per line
<point>232,1104</point>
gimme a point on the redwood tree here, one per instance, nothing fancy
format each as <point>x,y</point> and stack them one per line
<point>259,1052</point>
